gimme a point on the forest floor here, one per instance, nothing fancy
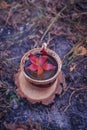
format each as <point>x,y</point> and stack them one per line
<point>26,24</point>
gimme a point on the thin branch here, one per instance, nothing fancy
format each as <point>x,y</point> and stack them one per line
<point>14,58</point>
<point>74,91</point>
<point>53,21</point>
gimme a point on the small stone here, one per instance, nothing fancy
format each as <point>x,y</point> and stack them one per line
<point>1,30</point>
<point>21,29</point>
<point>9,32</point>
<point>27,24</point>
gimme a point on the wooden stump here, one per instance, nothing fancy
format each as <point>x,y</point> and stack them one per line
<point>35,94</point>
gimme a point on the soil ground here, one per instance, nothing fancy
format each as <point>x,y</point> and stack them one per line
<point>22,25</point>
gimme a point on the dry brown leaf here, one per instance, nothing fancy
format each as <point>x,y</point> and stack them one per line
<point>41,32</point>
<point>20,129</point>
<point>4,5</point>
<point>2,114</point>
<point>81,50</point>
<point>10,126</point>
<point>15,126</point>
<point>72,67</point>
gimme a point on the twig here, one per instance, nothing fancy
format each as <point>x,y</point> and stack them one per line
<point>69,104</point>
<point>78,89</point>
<point>14,58</point>
<point>66,89</point>
<point>9,16</point>
<point>48,41</point>
<point>74,91</point>
<point>53,21</point>
<point>74,14</point>
<point>74,48</point>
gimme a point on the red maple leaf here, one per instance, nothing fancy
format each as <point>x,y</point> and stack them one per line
<point>39,64</point>
<point>43,51</point>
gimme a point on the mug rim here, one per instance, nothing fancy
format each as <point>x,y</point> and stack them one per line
<point>50,53</point>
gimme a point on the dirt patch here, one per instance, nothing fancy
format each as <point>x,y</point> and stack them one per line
<point>69,110</point>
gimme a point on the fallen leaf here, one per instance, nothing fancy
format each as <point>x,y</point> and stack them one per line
<point>72,67</point>
<point>14,126</point>
<point>33,58</point>
<point>42,60</point>
<point>81,50</point>
<point>40,70</point>
<point>32,67</point>
<point>48,66</point>
<point>4,5</point>
<point>2,114</point>
<point>40,31</point>
<point>39,63</point>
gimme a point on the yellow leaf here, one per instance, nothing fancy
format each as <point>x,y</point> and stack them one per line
<point>81,50</point>
<point>72,67</point>
<point>40,31</point>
